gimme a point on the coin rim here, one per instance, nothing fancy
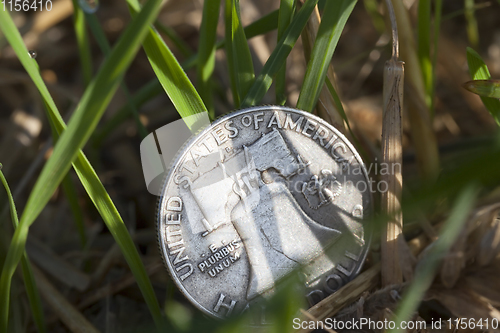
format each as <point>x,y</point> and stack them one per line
<point>181,153</point>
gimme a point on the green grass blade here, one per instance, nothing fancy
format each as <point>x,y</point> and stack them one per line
<point>462,11</point>
<point>70,193</point>
<point>90,109</point>
<point>114,222</point>
<point>278,56</point>
<point>72,196</point>
<point>285,16</point>
<point>427,268</point>
<point>13,36</point>
<point>86,63</point>
<point>100,36</point>
<point>333,21</point>
<point>172,77</point>
<point>179,43</point>
<point>479,71</point>
<point>341,110</point>
<point>261,26</point>
<point>470,17</point>
<point>485,88</point>
<point>477,67</point>
<point>238,54</point>
<point>112,219</point>
<point>146,93</point>
<point>438,11</point>
<point>29,279</point>
<point>338,103</point>
<point>371,7</point>
<point>82,40</point>
<point>424,46</point>
<point>206,52</point>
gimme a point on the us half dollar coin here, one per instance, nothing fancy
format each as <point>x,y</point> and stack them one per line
<point>259,194</point>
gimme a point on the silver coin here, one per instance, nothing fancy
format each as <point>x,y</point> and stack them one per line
<point>259,194</point>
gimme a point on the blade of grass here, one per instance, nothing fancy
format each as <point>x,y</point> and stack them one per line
<point>17,318</point>
<point>333,21</point>
<point>428,267</point>
<point>479,71</point>
<point>98,33</point>
<point>438,10</point>
<point>62,308</point>
<point>328,103</point>
<point>261,26</point>
<point>206,52</point>
<point>480,165</point>
<point>278,56</point>
<point>460,12</point>
<point>71,195</point>
<point>371,7</point>
<point>470,17</point>
<point>172,77</point>
<point>90,109</point>
<point>100,36</point>
<point>424,46</point>
<point>113,220</point>
<point>29,279</point>
<point>285,16</point>
<point>238,54</point>
<point>485,88</point>
<point>82,40</point>
<point>179,43</point>
<point>146,93</point>
<point>340,109</point>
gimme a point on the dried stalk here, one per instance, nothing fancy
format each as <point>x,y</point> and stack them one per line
<point>392,153</point>
<point>484,282</point>
<point>56,266</point>
<point>311,317</point>
<point>349,293</point>
<point>70,316</point>
<point>463,302</point>
<point>478,243</point>
<point>352,291</point>
<point>111,289</point>
<point>489,247</point>
<point>326,107</point>
<point>423,136</point>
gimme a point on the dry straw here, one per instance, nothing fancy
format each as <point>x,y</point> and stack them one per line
<point>326,107</point>
<point>392,152</point>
